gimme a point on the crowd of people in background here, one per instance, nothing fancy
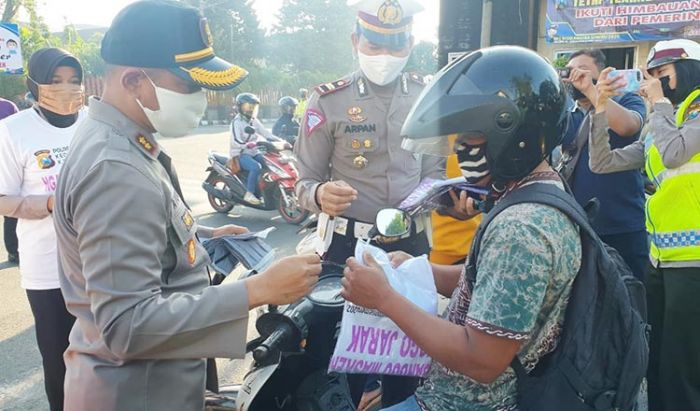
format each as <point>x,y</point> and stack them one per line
<point>347,136</point>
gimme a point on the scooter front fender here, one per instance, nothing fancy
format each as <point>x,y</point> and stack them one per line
<point>252,384</point>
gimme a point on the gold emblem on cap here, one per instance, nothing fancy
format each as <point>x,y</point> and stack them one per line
<point>368,144</point>
<point>360,161</point>
<point>390,12</point>
<point>356,144</point>
<point>355,115</point>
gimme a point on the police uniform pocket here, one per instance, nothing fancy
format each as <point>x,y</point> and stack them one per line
<point>412,161</point>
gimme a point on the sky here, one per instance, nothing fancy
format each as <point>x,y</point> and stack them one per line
<point>58,13</point>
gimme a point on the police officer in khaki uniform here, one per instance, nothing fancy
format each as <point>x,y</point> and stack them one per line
<point>351,163</point>
<point>132,269</point>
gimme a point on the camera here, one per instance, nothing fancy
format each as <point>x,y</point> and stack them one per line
<point>564,72</point>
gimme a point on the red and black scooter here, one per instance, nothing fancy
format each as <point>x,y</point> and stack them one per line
<point>275,186</point>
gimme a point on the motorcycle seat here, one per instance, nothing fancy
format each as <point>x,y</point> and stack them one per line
<point>220,158</point>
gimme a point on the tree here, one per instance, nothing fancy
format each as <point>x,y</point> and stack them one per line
<point>10,8</point>
<point>423,58</point>
<point>235,28</point>
<point>87,51</point>
<point>313,36</point>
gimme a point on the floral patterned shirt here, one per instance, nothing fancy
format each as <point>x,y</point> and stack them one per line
<point>529,257</point>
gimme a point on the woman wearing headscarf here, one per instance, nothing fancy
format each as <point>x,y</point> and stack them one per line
<point>670,152</point>
<point>33,145</point>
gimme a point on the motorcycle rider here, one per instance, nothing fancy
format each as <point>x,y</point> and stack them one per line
<point>287,127</point>
<point>246,131</point>
<point>502,111</point>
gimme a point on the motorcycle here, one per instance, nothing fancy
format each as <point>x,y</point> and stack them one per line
<point>276,184</point>
<point>291,356</point>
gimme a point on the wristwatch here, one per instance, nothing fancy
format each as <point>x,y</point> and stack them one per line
<point>662,100</point>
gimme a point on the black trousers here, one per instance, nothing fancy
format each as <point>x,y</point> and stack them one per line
<point>674,360</point>
<point>10,234</point>
<point>394,389</point>
<point>53,323</point>
<point>633,248</point>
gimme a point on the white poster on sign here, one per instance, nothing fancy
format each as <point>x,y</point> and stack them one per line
<point>10,50</point>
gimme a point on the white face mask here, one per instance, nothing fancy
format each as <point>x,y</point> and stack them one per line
<point>178,114</point>
<point>381,69</point>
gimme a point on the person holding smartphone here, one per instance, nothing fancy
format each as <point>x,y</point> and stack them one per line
<point>620,218</point>
<point>670,152</point>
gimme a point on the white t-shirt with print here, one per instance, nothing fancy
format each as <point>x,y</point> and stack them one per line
<point>31,154</point>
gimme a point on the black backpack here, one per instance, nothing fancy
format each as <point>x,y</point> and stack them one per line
<point>602,354</point>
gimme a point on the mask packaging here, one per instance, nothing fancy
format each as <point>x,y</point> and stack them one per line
<point>369,342</point>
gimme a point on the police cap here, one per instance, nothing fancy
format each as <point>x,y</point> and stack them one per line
<point>166,34</point>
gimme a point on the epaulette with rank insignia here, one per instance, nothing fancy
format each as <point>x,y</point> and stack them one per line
<point>334,86</point>
<point>417,78</point>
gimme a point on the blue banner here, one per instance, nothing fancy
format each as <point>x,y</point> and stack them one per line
<point>576,21</point>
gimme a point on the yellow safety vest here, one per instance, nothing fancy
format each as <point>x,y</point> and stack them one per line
<point>673,212</point>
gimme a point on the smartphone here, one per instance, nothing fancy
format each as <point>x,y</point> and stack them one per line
<point>564,72</point>
<point>632,77</point>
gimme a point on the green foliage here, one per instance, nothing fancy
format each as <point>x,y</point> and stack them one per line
<point>87,51</point>
<point>560,62</point>
<point>423,58</point>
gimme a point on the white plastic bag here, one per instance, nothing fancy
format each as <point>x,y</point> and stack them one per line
<point>369,342</point>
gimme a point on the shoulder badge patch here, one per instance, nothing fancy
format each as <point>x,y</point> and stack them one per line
<point>146,144</point>
<point>314,119</point>
<point>191,252</point>
<point>332,87</point>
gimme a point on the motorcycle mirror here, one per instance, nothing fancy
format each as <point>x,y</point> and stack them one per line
<point>249,130</point>
<point>392,222</point>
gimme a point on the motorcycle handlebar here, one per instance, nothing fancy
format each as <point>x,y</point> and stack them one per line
<point>272,342</point>
<point>284,331</point>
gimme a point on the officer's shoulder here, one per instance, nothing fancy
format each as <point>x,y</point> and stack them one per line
<point>334,86</point>
<point>693,111</point>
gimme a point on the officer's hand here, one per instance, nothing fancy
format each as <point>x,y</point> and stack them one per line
<point>399,257</point>
<point>230,229</point>
<point>49,204</point>
<point>335,197</point>
<point>365,285</point>
<point>285,281</point>
<point>464,207</point>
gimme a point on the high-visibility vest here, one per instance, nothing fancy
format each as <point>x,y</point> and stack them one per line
<point>673,212</point>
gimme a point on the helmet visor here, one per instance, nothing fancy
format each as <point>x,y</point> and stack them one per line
<point>441,146</point>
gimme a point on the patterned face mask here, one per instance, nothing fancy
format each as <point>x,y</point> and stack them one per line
<point>472,162</point>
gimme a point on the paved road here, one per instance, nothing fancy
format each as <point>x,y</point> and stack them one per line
<point>21,380</point>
